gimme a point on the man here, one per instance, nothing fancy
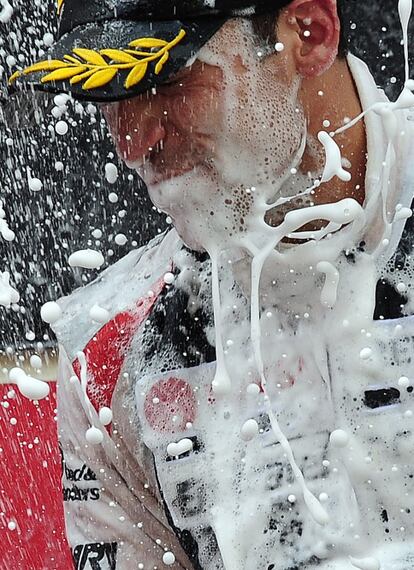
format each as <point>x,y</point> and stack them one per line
<point>259,392</point>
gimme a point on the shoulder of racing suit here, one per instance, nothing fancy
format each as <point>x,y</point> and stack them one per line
<point>141,304</point>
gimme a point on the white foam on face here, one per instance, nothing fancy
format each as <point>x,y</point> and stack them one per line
<point>227,178</point>
<point>61,99</point>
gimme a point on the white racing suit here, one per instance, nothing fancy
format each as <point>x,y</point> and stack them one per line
<point>227,503</point>
<point>126,500</point>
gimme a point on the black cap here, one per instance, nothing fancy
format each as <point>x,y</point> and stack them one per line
<point>108,50</point>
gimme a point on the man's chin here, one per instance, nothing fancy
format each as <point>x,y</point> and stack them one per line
<point>177,197</point>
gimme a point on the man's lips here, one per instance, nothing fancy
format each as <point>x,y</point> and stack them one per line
<point>162,164</point>
<point>152,177</point>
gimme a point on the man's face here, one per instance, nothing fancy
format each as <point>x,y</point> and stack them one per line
<point>214,145</point>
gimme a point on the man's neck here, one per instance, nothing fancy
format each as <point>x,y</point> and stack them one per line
<point>334,97</point>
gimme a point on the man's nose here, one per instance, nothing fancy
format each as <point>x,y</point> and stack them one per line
<point>137,128</point>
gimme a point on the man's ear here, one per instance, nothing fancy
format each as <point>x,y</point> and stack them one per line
<point>317,25</point>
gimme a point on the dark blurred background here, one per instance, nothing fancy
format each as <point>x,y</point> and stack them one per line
<point>74,205</point>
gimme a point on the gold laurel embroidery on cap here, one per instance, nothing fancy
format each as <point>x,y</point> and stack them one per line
<point>91,66</point>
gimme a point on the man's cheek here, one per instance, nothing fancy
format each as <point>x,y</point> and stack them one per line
<point>184,113</point>
<point>195,110</point>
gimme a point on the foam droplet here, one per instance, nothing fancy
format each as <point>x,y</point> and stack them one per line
<point>105,415</point>
<point>8,295</point>
<point>111,172</point>
<point>61,128</point>
<point>120,239</point>
<point>339,438</point>
<point>253,389</point>
<point>169,278</point>
<point>249,430</point>
<point>35,184</point>
<point>30,387</point>
<point>333,164</point>
<point>50,312</point>
<point>35,361</point>
<point>48,39</point>
<point>94,435</point>
<point>365,353</point>
<point>86,258</point>
<point>404,382</point>
<point>403,214</point>
<point>182,446</point>
<point>168,558</point>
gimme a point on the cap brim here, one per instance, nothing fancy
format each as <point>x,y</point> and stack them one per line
<point>117,59</point>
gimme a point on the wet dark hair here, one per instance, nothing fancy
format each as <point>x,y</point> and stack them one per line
<point>266,30</point>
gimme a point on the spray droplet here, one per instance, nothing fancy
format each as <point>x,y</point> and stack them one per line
<point>105,415</point>
<point>61,128</point>
<point>168,558</point>
<point>86,258</point>
<point>249,430</point>
<point>339,438</point>
<point>94,436</point>
<point>50,312</point>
